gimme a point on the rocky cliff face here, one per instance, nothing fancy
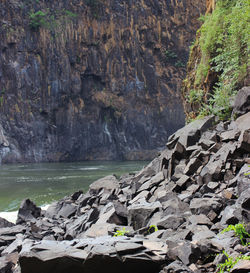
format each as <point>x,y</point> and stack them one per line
<point>84,80</point>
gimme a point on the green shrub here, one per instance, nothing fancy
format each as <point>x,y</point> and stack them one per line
<point>179,63</point>
<point>240,231</point>
<point>38,19</point>
<point>220,103</point>
<point>228,265</point>
<point>170,54</point>
<point>224,44</point>
<point>70,14</point>
<point>52,20</point>
<point>120,232</point>
<point>195,96</point>
<point>152,229</point>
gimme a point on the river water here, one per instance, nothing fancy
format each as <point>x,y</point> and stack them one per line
<point>47,182</point>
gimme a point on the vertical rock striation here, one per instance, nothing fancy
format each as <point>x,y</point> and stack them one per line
<point>82,80</point>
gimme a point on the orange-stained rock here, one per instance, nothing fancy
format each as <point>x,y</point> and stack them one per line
<point>101,82</point>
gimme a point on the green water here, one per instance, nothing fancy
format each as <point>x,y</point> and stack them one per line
<point>47,182</point>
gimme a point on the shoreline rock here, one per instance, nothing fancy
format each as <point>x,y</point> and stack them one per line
<point>187,195</point>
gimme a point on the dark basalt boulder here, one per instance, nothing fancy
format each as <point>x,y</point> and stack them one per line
<point>190,134</point>
<point>108,183</point>
<point>92,255</point>
<point>242,101</point>
<point>242,266</point>
<point>4,223</point>
<point>176,267</point>
<point>28,212</point>
<point>139,213</point>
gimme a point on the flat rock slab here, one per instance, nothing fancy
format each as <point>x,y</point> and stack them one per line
<point>114,254</point>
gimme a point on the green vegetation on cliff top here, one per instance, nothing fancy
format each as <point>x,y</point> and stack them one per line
<point>223,45</point>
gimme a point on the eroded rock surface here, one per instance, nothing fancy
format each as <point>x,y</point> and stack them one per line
<point>95,79</point>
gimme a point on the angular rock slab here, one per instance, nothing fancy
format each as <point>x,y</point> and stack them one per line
<point>242,101</point>
<point>103,254</point>
<point>190,134</point>
<point>108,183</point>
<point>242,266</point>
<point>27,212</point>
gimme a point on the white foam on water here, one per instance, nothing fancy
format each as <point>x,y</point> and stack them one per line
<point>89,168</point>
<point>11,216</point>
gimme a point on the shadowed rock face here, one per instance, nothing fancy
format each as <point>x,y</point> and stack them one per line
<point>101,82</point>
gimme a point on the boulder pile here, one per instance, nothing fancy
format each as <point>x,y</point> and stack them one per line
<point>169,216</point>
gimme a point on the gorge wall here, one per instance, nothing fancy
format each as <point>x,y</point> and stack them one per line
<point>84,80</point>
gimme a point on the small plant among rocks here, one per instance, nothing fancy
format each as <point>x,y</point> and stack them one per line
<point>152,229</point>
<point>121,232</point>
<point>38,19</point>
<point>240,231</point>
<point>179,64</point>
<point>230,262</point>
<point>247,173</point>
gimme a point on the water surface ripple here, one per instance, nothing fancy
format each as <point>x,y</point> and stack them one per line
<point>46,182</point>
